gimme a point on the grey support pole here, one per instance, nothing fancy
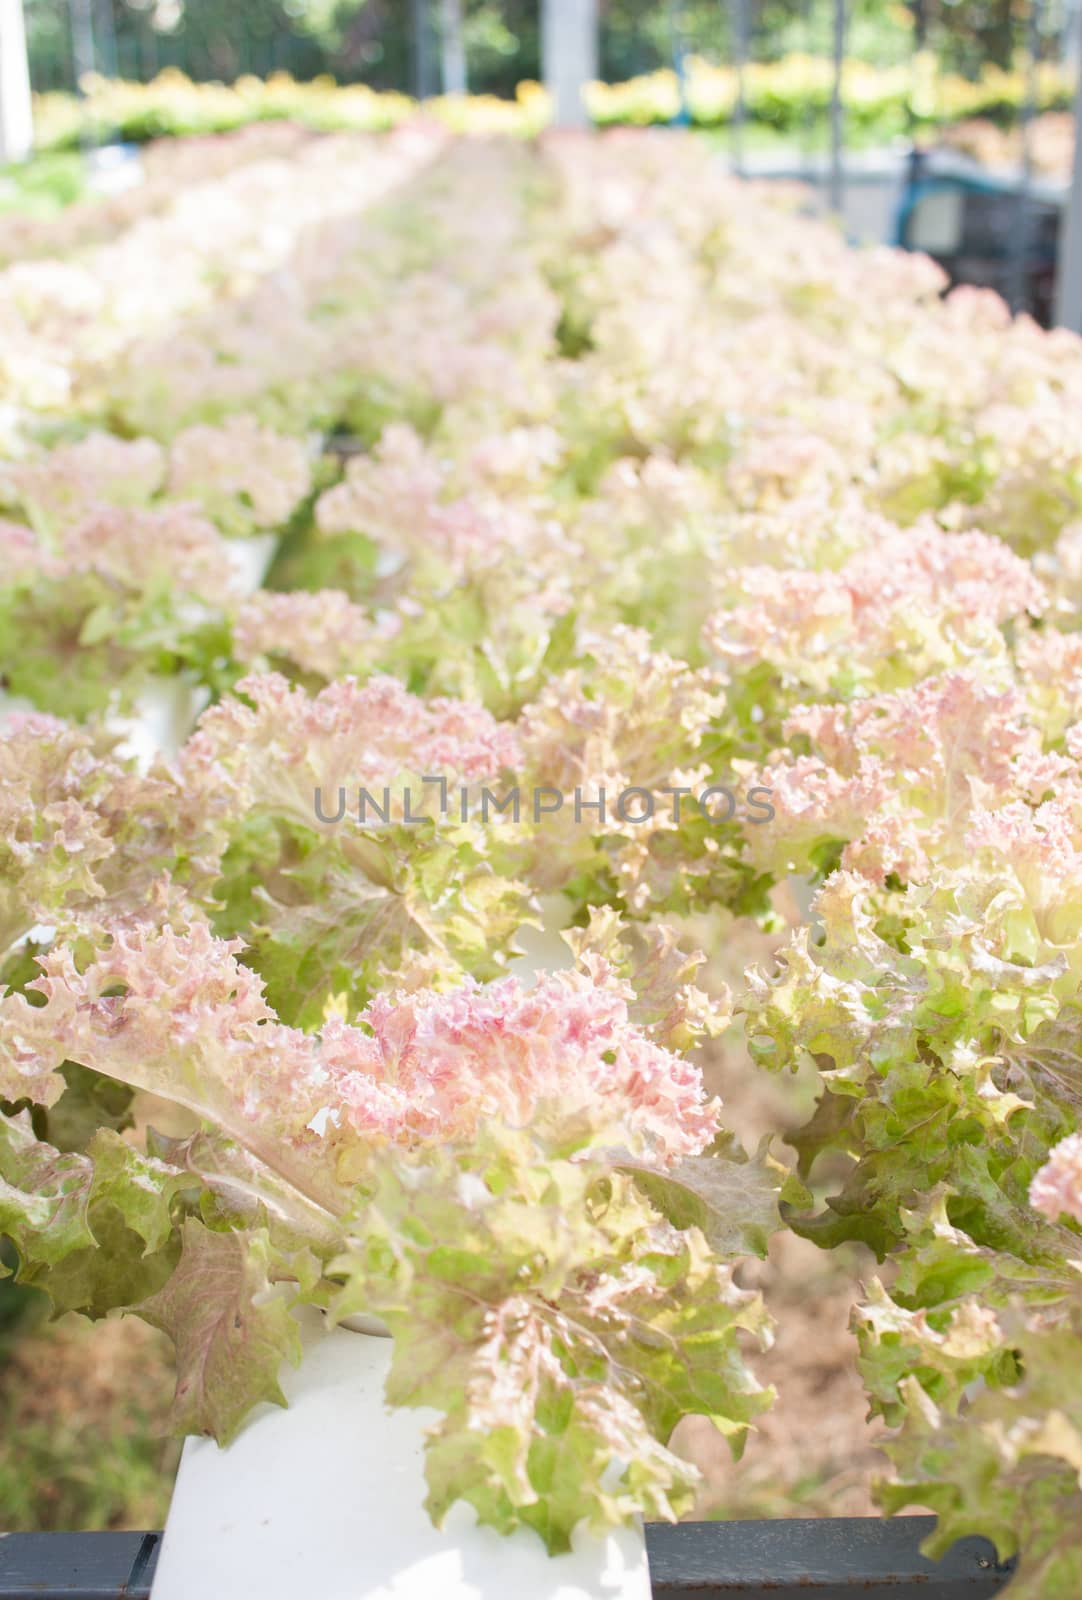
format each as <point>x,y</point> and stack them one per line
<point>105,32</point>
<point>1071,37</point>
<point>452,48</point>
<point>1017,276</point>
<point>422,49</point>
<point>16,119</point>
<point>569,55</point>
<point>85,57</point>
<point>82,38</point>
<point>807,121</point>
<point>1069,273</point>
<point>837,124</point>
<point>741,47</point>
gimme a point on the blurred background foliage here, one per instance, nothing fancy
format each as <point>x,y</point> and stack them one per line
<point>371,41</point>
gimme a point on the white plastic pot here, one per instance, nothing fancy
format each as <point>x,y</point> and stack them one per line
<point>544,949</point>
<point>326,1499</point>
<point>164,714</point>
<point>114,169</point>
<point>13,705</point>
<point>251,558</point>
<point>803,890</point>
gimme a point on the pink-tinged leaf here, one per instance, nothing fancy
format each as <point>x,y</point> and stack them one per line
<point>232,1330</point>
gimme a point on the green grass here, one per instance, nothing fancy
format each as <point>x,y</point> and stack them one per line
<point>757,137</point>
<point>59,1479</point>
<point>83,1436</point>
<point>42,185</point>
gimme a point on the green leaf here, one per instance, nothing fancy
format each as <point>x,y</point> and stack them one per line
<point>44,1194</point>
<point>648,957</point>
<point>89,1102</point>
<point>1008,1464</point>
<point>329,915</point>
<point>558,1322</point>
<point>116,1273</point>
<point>140,1187</point>
<point>231,1328</point>
<point>239,1190</point>
<point>730,1197</point>
<point>95,1231</point>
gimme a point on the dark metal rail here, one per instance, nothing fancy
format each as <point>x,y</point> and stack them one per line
<point>833,1558</point>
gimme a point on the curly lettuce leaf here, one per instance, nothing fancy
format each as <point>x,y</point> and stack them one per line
<point>96,1231</point>
<point>667,1002</point>
<point>558,1322</point>
<point>332,916</point>
<point>946,1039</point>
<point>1007,1461</point>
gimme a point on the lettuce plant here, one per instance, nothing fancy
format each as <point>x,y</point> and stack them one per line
<point>88,840</point>
<point>350,859</point>
<point>131,595</point>
<point>489,1170</point>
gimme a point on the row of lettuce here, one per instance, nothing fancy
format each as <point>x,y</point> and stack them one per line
<point>641,551</point>
<point>782,96</point>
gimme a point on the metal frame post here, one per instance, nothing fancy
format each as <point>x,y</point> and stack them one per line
<point>1017,277</point>
<point>837,116</point>
<point>1069,274</point>
<point>678,48</point>
<point>422,49</point>
<point>452,48</point>
<point>105,31</point>
<point>569,55</point>
<point>808,119</point>
<point>82,39</point>
<point>741,49</point>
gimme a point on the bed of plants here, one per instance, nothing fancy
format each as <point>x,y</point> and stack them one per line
<point>642,553</point>
<point>1051,143</point>
<point>787,98</point>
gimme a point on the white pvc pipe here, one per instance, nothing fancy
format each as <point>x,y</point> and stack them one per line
<point>569,55</point>
<point>16,114</point>
<point>164,714</point>
<point>326,1499</point>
